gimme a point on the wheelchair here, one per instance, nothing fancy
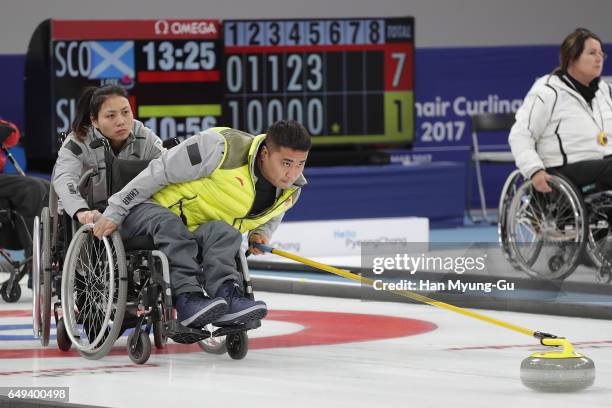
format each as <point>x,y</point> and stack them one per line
<point>12,226</point>
<point>51,234</point>
<point>548,235</point>
<point>106,287</point>
<point>14,233</point>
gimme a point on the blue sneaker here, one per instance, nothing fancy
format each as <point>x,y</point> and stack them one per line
<point>241,310</point>
<point>196,311</point>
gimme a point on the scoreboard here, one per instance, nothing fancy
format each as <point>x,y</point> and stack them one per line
<point>348,80</point>
<point>171,69</point>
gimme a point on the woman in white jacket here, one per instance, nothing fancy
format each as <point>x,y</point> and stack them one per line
<point>565,122</point>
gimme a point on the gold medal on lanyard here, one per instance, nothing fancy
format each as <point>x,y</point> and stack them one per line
<point>602,138</point>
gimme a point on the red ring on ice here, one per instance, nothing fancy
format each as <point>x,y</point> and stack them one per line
<point>319,328</point>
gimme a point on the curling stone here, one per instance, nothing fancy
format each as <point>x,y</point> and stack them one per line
<point>558,371</point>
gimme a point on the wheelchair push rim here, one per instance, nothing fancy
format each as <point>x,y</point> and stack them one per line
<point>41,275</point>
<point>36,318</point>
<point>45,275</point>
<point>512,184</point>
<point>547,231</point>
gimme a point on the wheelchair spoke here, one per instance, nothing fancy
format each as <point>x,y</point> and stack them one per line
<point>565,207</point>
<point>525,229</point>
<point>532,218</point>
<point>94,289</point>
<point>536,201</point>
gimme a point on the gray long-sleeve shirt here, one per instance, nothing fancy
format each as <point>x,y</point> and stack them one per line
<point>175,166</point>
<point>76,156</point>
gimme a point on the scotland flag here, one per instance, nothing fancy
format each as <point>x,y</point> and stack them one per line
<point>112,59</point>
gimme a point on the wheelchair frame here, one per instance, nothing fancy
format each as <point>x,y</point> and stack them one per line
<point>10,289</point>
<point>572,223</point>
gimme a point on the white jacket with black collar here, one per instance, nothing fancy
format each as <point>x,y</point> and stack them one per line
<point>555,126</point>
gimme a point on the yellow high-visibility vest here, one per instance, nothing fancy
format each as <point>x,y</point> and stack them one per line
<point>228,193</point>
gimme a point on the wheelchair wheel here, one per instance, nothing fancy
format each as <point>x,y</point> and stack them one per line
<point>237,345</point>
<point>36,278</point>
<point>159,335</point>
<point>41,276</point>
<point>603,274</point>
<point>61,336</point>
<point>599,246</point>
<point>512,184</point>
<point>139,348</point>
<point>160,338</point>
<point>213,345</point>
<point>12,295</point>
<point>94,291</point>
<point>547,231</point>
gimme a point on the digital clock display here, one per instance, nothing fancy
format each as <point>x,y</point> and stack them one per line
<point>178,56</point>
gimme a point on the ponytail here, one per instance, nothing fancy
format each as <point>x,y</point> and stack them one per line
<point>82,117</point>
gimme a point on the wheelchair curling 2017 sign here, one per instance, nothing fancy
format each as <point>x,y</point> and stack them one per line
<point>171,68</point>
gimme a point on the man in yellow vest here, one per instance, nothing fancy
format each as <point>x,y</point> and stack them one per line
<point>196,200</point>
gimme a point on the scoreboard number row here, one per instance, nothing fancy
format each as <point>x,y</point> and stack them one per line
<point>256,115</point>
<point>315,32</point>
<point>298,72</point>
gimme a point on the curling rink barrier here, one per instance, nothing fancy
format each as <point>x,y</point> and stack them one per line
<point>319,351</point>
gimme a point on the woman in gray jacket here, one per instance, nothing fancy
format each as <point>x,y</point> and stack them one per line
<point>565,122</point>
<point>101,113</point>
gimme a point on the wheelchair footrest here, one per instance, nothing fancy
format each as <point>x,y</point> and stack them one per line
<point>185,335</point>
<point>223,331</point>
